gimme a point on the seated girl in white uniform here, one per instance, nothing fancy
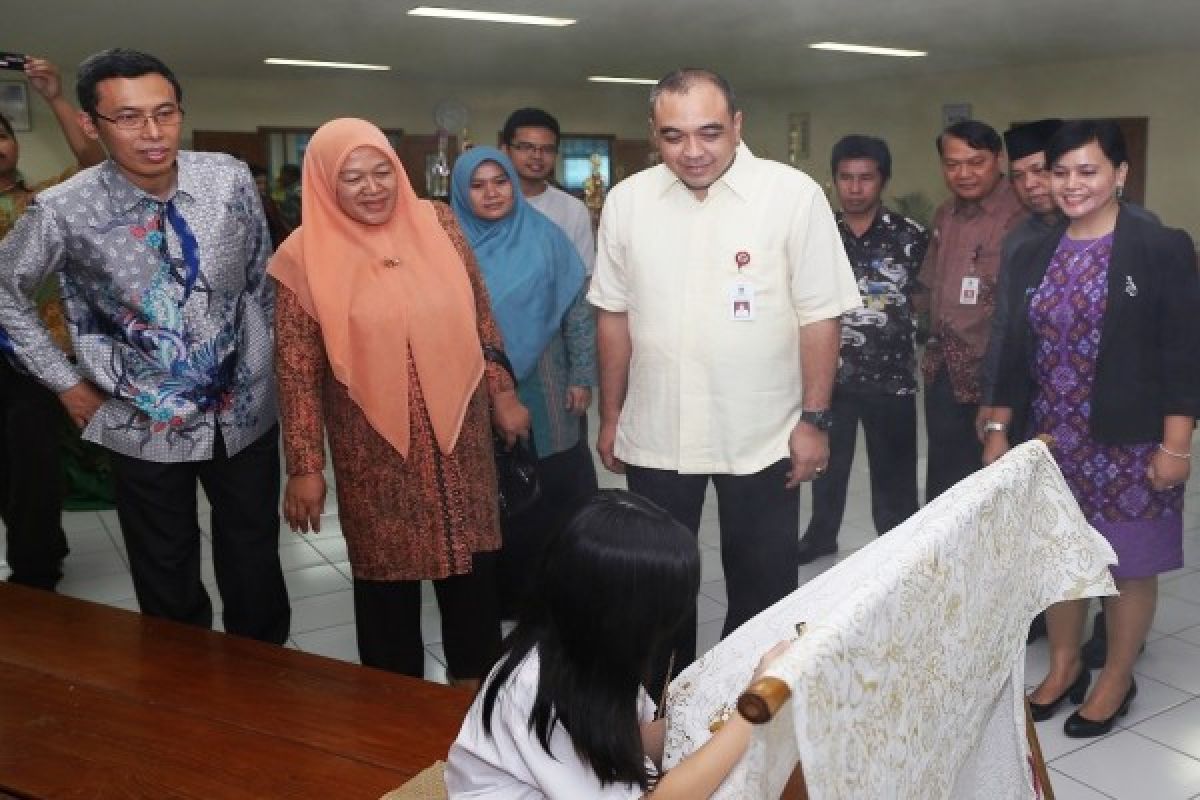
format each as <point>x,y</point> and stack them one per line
<point>563,714</point>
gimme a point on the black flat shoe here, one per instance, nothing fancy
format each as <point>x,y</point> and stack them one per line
<point>1078,726</point>
<point>1076,691</point>
<point>811,551</point>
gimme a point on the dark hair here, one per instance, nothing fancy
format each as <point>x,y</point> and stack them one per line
<point>1077,133</point>
<point>8,128</point>
<point>681,81</point>
<point>613,586</point>
<point>859,146</point>
<point>118,63</point>
<point>529,118</point>
<point>978,136</point>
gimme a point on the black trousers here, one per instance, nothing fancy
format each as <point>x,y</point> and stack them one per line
<point>156,504</point>
<point>890,426</point>
<point>387,619</point>
<point>760,522</point>
<point>954,448</point>
<point>31,482</point>
<point>567,481</point>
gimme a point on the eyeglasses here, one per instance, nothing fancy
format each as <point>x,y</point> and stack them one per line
<point>527,148</point>
<point>165,117</point>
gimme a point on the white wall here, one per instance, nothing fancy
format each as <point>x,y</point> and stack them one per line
<point>907,114</point>
<point>389,102</point>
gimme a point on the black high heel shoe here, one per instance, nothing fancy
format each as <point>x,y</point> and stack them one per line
<point>1076,691</point>
<point>1078,726</point>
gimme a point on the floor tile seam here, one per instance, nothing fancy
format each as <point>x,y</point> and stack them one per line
<point>1162,744</point>
<point>1081,782</point>
<point>296,631</point>
<point>317,594</point>
<point>1079,745</point>
<point>1164,682</point>
<point>1190,697</point>
<point>1164,590</point>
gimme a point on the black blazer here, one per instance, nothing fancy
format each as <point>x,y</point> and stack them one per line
<point>1148,365</point>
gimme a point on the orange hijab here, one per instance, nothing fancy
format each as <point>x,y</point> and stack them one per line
<point>377,290</point>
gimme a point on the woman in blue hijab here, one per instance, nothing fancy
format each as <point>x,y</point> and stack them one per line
<point>535,280</point>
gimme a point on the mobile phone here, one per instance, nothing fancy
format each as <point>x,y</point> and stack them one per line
<point>13,61</point>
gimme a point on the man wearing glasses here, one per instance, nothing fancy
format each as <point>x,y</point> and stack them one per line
<point>531,140</point>
<point>566,473</point>
<point>161,256</point>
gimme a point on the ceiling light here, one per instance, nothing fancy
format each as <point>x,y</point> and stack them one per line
<point>867,49</point>
<point>489,16</point>
<point>610,79</point>
<point>300,62</point>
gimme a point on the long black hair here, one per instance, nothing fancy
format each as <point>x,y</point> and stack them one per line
<point>615,583</point>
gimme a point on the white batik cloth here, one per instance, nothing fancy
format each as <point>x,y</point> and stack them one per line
<point>909,680</point>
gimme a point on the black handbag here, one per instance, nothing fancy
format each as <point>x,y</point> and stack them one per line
<point>517,487</point>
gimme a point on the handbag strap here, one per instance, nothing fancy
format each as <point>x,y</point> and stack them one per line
<point>498,356</point>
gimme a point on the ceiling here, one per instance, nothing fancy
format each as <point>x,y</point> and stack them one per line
<point>758,44</point>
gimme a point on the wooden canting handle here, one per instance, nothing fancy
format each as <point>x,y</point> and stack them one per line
<point>762,699</point>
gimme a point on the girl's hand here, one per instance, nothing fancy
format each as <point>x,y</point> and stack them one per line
<point>770,657</point>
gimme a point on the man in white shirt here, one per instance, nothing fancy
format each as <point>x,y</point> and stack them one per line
<point>530,139</point>
<point>720,280</point>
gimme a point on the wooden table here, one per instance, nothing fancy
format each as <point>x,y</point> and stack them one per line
<point>96,702</point>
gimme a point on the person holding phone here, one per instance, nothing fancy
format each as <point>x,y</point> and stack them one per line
<point>31,486</point>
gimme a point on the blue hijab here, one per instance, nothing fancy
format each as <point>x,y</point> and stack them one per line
<point>532,271</point>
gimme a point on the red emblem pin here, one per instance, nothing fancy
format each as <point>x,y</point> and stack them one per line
<point>742,258</point>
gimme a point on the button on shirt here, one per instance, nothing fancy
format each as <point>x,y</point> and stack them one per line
<point>712,388</point>
<point>966,242</point>
<point>166,305</point>
<point>878,355</point>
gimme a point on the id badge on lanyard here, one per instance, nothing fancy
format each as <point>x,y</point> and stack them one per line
<point>740,304</point>
<point>968,293</point>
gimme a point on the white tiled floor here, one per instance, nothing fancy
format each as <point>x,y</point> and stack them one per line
<point>1153,755</point>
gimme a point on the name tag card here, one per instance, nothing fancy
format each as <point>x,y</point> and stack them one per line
<point>741,302</point>
<point>969,294</point>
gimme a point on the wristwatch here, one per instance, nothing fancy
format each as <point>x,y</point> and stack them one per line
<point>991,426</point>
<point>821,420</point>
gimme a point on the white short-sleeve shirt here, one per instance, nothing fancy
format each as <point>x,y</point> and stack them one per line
<point>511,764</point>
<point>715,387</point>
<point>569,213</point>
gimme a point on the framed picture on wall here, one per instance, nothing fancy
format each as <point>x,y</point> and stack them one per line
<point>14,104</point>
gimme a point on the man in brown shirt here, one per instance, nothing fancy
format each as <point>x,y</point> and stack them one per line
<point>959,273</point>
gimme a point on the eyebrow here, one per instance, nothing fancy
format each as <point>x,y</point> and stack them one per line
<point>711,127</point>
<point>164,104</point>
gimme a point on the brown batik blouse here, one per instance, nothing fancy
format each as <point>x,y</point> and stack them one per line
<point>404,519</point>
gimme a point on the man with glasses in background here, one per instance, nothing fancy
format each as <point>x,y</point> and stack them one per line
<point>161,256</point>
<point>566,473</point>
<point>531,140</point>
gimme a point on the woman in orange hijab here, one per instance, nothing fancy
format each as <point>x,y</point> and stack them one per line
<point>380,323</point>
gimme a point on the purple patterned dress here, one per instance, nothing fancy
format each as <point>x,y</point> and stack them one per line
<point>1145,527</point>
